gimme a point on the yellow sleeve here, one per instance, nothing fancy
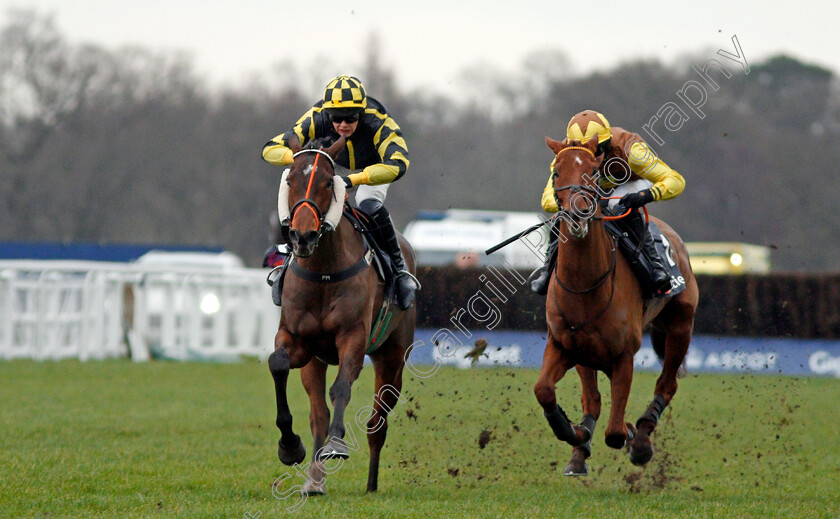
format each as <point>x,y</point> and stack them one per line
<point>667,183</point>
<point>276,153</point>
<point>549,201</point>
<point>393,151</point>
<point>375,174</point>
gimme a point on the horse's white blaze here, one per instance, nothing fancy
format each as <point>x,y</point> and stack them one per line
<point>579,230</point>
<point>307,170</point>
<point>578,161</point>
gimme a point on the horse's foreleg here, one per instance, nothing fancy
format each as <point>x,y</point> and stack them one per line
<point>350,360</point>
<point>314,379</point>
<point>676,348</point>
<point>388,388</point>
<point>617,432</point>
<point>554,366</point>
<point>290,448</point>
<point>590,399</point>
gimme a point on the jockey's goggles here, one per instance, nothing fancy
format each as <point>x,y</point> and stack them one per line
<point>346,117</point>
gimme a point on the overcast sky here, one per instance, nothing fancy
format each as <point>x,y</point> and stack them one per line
<point>429,42</point>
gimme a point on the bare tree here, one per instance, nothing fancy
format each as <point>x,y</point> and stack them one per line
<point>41,82</point>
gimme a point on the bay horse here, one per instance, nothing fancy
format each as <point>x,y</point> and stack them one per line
<point>596,313</point>
<point>331,298</point>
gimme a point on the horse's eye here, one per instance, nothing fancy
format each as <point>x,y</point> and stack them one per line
<point>288,182</point>
<point>330,183</point>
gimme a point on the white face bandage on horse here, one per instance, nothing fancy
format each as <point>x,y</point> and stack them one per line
<point>333,215</point>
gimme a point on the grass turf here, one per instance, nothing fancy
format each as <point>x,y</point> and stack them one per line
<point>159,439</point>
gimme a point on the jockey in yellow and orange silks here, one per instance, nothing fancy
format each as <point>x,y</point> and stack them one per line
<point>629,170</point>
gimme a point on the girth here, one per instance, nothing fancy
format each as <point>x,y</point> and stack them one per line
<point>332,277</point>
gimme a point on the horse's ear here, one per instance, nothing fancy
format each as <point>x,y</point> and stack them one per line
<point>294,143</point>
<point>592,145</point>
<point>336,148</point>
<point>556,146</point>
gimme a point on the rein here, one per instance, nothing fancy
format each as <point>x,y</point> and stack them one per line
<point>576,188</point>
<point>610,272</point>
<point>601,280</point>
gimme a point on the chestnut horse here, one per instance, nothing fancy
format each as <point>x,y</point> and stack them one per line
<point>596,313</point>
<point>331,298</point>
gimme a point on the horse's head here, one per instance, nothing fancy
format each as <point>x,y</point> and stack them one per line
<point>314,199</point>
<point>576,182</point>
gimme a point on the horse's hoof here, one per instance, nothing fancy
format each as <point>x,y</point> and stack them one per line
<point>311,488</point>
<point>333,450</point>
<point>291,455</point>
<point>577,463</point>
<point>576,469</point>
<point>629,434</point>
<point>640,454</point>
<point>616,441</point>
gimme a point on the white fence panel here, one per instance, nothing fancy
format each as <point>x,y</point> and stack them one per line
<point>95,310</point>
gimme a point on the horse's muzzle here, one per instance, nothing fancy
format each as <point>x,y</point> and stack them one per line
<point>303,244</point>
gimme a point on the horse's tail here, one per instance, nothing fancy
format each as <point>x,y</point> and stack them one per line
<point>657,337</point>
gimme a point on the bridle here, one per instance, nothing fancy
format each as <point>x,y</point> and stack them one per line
<point>575,189</point>
<point>610,272</point>
<point>326,222</point>
<point>306,201</point>
<point>578,188</point>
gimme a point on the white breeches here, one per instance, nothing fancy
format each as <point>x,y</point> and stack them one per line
<point>628,187</point>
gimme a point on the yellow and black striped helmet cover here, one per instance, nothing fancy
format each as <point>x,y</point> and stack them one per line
<point>345,92</point>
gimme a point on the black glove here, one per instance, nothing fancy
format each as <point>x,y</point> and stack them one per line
<point>636,200</point>
<point>347,182</point>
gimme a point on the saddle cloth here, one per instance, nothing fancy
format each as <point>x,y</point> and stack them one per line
<point>639,261</point>
<point>365,225</point>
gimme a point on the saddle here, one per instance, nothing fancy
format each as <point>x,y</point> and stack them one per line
<point>639,258</point>
<point>364,224</point>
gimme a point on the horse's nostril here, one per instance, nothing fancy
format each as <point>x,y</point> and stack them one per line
<point>294,235</point>
<point>311,236</point>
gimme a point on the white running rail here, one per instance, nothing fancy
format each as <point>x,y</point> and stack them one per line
<point>95,310</point>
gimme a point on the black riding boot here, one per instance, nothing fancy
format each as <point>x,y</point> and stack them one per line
<point>387,237</point>
<point>540,277</point>
<point>660,279</point>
